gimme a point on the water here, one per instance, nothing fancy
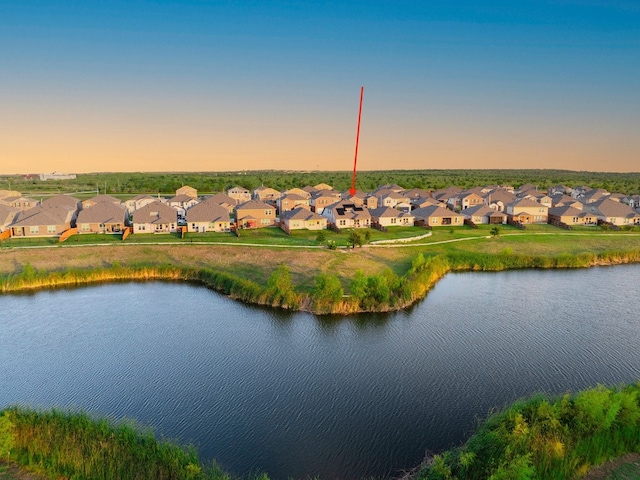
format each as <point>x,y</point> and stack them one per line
<point>298,396</point>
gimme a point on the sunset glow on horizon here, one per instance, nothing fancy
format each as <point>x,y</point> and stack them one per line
<point>249,85</point>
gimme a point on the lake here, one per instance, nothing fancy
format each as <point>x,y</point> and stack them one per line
<point>297,395</point>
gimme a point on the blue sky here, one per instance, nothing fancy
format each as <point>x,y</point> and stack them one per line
<point>227,85</point>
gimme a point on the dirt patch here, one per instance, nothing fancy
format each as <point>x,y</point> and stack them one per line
<point>618,467</point>
<point>10,471</point>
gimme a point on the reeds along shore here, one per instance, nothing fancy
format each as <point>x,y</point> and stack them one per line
<point>381,292</point>
<point>540,438</point>
<point>537,438</point>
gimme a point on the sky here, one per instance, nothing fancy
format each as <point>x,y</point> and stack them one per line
<point>92,86</point>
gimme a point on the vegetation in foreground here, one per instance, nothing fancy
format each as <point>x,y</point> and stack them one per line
<point>536,438</point>
<point>547,439</point>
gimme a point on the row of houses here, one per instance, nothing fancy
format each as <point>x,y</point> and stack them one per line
<point>314,208</point>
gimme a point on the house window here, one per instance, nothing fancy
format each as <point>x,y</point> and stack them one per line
<point>84,227</point>
<point>34,229</point>
<point>393,220</point>
<point>51,229</point>
<point>343,222</point>
<point>265,221</point>
<point>270,212</point>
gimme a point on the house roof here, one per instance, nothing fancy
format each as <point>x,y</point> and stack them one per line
<point>100,198</point>
<point>43,215</point>
<point>208,211</point>
<point>62,200</point>
<point>565,211</point>
<point>157,213</point>
<point>481,210</point>
<point>346,209</point>
<point>301,214</point>
<point>500,195</point>
<point>293,197</point>
<point>388,212</point>
<point>182,198</point>
<point>222,199</point>
<point>526,203</point>
<point>610,208</point>
<point>102,212</point>
<point>434,211</point>
<point>7,214</point>
<point>254,205</point>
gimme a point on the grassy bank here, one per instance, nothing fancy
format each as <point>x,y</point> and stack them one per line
<point>545,438</point>
<point>379,280</point>
<point>73,445</point>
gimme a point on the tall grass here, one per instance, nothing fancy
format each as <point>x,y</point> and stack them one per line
<point>72,445</point>
<point>541,438</point>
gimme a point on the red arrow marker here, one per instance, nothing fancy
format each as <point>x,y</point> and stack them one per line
<point>352,190</point>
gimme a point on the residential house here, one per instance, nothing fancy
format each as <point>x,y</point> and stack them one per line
<point>390,198</point>
<point>7,216</point>
<point>42,221</point>
<point>444,194</point>
<point>290,201</point>
<point>464,200</point>
<point>20,202</point>
<point>593,195</point>
<point>570,215</point>
<point>90,202</point>
<point>255,214</point>
<point>138,201</point>
<point>322,186</point>
<point>181,203</point>
<point>156,217</point>
<point>223,200</point>
<point>482,214</point>
<point>208,216</point>
<point>240,194</point>
<point>266,194</point>
<point>416,193</point>
<point>347,215</point>
<point>559,189</point>
<point>303,192</point>
<point>610,211</point>
<point>301,218</point>
<point>424,202</point>
<point>527,211</point>
<point>499,198</point>
<point>437,216</point>
<point>103,217</point>
<point>562,200</point>
<point>370,202</point>
<point>390,217</point>
<point>323,198</point>
<point>358,197</point>
<point>187,190</point>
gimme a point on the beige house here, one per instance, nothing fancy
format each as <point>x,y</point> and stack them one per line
<point>266,194</point>
<point>570,215</point>
<point>465,200</point>
<point>7,216</point>
<point>90,202</point>
<point>290,201</point>
<point>42,221</point>
<point>527,211</point>
<point>323,186</point>
<point>20,202</point>
<point>437,216</point>
<point>299,191</point>
<point>481,214</point>
<point>255,214</point>
<point>181,203</point>
<point>104,217</point>
<point>300,219</point>
<point>347,215</point>
<point>391,217</point>
<point>240,194</point>
<point>223,200</point>
<point>618,213</point>
<point>323,198</point>
<point>208,216</point>
<point>138,201</point>
<point>188,191</point>
<point>155,217</point>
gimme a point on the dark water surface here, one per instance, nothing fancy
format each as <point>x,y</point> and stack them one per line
<point>297,396</point>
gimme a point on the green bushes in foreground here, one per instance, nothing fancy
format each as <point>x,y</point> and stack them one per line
<point>73,445</point>
<point>546,439</point>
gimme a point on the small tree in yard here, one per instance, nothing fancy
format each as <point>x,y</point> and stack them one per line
<point>321,237</point>
<point>495,231</point>
<point>355,238</point>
